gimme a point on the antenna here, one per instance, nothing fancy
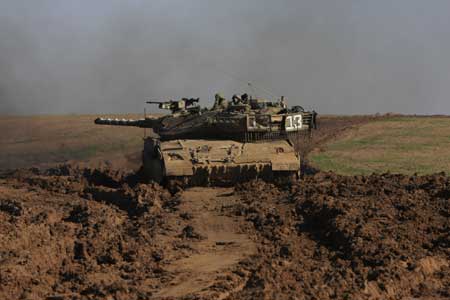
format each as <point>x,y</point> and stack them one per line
<point>251,86</point>
<point>145,117</point>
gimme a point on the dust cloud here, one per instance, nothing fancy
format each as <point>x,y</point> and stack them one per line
<point>344,57</point>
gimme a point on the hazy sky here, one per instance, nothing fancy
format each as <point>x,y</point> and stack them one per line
<point>346,56</point>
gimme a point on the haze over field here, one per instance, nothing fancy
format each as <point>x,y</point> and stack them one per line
<point>344,57</point>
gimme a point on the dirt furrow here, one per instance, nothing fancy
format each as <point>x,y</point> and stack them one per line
<point>219,249</point>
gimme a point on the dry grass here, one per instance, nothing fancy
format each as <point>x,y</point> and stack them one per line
<point>27,141</point>
<point>405,145</point>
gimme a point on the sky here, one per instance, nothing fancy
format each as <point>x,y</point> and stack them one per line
<point>337,57</point>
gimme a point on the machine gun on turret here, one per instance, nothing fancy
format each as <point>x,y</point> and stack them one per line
<point>185,104</point>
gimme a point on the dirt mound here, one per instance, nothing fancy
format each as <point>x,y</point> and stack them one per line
<point>363,237</point>
<point>77,233</point>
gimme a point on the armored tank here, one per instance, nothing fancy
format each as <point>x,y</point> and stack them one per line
<point>234,141</point>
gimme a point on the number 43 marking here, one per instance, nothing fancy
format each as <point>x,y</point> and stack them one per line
<point>294,122</point>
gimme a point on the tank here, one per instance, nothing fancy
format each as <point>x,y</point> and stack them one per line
<point>233,141</point>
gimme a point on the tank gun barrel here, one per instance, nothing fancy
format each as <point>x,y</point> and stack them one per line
<point>142,123</point>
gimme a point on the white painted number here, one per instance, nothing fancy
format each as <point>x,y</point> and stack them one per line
<point>294,122</point>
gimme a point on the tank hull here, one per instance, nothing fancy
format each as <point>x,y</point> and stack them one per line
<point>218,162</point>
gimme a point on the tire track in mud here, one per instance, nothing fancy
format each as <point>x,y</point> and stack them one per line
<point>221,246</point>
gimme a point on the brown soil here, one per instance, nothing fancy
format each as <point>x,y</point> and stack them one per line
<point>338,237</point>
<point>80,233</point>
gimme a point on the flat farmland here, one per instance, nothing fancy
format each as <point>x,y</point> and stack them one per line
<point>37,140</point>
<point>404,145</point>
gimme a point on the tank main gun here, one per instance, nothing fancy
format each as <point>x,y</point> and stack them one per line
<point>166,125</point>
<point>142,123</point>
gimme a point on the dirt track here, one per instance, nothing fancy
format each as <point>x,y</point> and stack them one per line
<point>70,233</point>
<point>80,233</point>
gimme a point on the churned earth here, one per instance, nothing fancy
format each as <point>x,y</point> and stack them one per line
<point>72,233</point>
<point>341,237</point>
<point>80,233</point>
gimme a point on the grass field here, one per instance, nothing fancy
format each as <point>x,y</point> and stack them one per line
<point>27,141</point>
<point>405,145</point>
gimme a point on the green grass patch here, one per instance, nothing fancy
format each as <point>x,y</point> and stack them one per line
<point>405,145</point>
